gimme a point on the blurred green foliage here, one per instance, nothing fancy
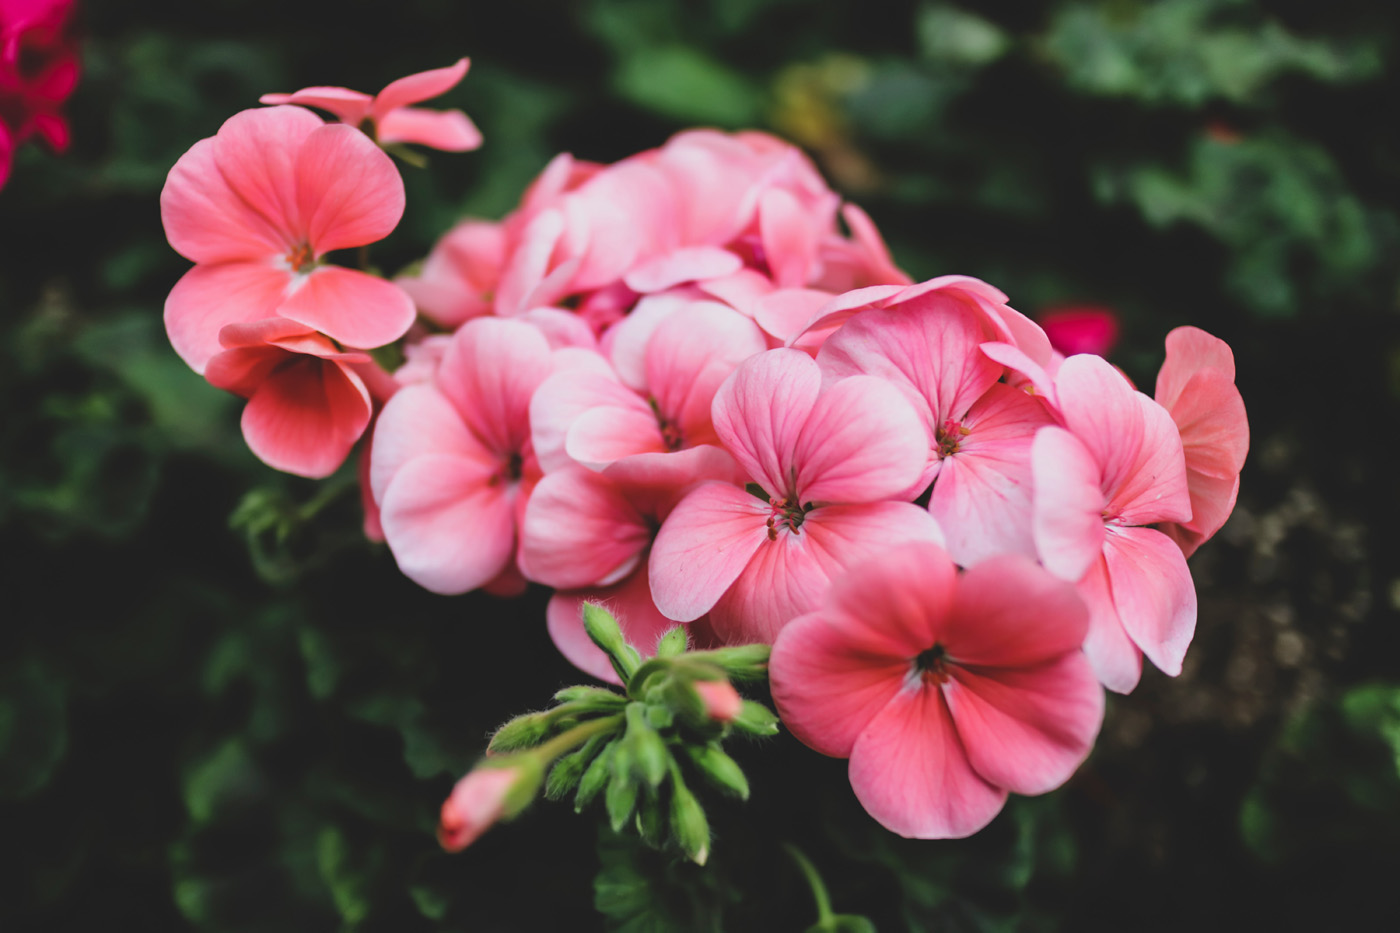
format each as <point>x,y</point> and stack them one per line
<point>223,727</point>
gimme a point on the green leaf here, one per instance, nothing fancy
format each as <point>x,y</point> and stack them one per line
<point>953,36</point>
<point>687,85</point>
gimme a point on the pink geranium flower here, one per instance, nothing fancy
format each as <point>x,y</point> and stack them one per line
<point>944,691</point>
<point>1116,468</point>
<point>827,464</point>
<point>388,116</point>
<point>459,276</point>
<point>256,207</point>
<point>1197,386</point>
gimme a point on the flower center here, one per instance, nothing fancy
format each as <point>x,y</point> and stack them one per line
<point>299,257</point>
<point>949,436</point>
<point>670,433</point>
<point>932,665</point>
<point>510,471</point>
<point>786,513</point>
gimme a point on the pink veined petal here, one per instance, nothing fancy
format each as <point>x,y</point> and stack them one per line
<point>351,307</point>
<point>631,337</point>
<point>704,545</point>
<point>1210,415</point>
<point>348,191</point>
<point>910,771</point>
<point>1155,489</point>
<point>565,331</point>
<point>448,130</point>
<point>1028,369</point>
<point>1191,350</point>
<point>280,332</point>
<point>257,152</point>
<point>601,436</point>
<point>741,291</point>
<point>829,683</point>
<point>897,602</point>
<point>449,527</point>
<point>867,236</point>
<point>305,418</point>
<point>490,371</point>
<point>242,370</point>
<point>529,262</point>
<point>791,574</point>
<point>789,238</point>
<point>205,219</point>
<point>982,497</point>
<point>1212,501</point>
<point>1067,508</point>
<point>1116,661</point>
<point>419,87</point>
<point>687,359</point>
<point>843,307</point>
<point>580,529</point>
<point>1027,729</point>
<point>419,422</point>
<point>1010,612</point>
<point>862,442</point>
<point>210,297</point>
<point>689,264</point>
<point>560,400</point>
<point>656,482</point>
<point>759,413</point>
<point>784,313</point>
<point>1101,409</point>
<point>629,601</point>
<point>348,106</point>
<point>1153,592</point>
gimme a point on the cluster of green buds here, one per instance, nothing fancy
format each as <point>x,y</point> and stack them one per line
<point>636,749</point>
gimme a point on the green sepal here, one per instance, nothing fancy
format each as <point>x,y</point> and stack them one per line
<point>755,719</point>
<point>621,796</point>
<point>589,699</point>
<point>565,774</point>
<point>603,630</point>
<point>660,716</point>
<point>522,793</point>
<point>675,641</point>
<point>595,777</point>
<point>719,770</point>
<point>523,731</point>
<point>689,827</point>
<point>739,662</point>
<point>646,751</point>
<point>651,823</point>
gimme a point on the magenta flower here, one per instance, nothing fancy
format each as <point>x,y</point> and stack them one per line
<point>944,691</point>
<point>1081,329</point>
<point>1114,469</point>
<point>256,207</point>
<point>1197,386</point>
<point>38,71</point>
<point>827,462</point>
<point>388,116</point>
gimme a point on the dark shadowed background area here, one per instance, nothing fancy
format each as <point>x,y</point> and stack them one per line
<point>248,724</point>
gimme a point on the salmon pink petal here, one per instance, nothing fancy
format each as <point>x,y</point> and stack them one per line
<point>348,191</point>
<point>601,436</point>
<point>759,412</point>
<point>688,358</point>
<point>881,267</point>
<point>1027,729</point>
<point>419,87</point>
<point>1153,592</point>
<point>1189,351</point>
<point>559,401</point>
<point>1155,489</point>
<point>209,297</point>
<point>656,482</point>
<point>829,682</point>
<point>529,263</point>
<point>990,625</point>
<point>689,264</point>
<point>784,314</point>
<point>627,342</point>
<point>862,442</point>
<point>1210,415</point>
<point>448,130</point>
<point>351,307</point>
<point>205,219</point>
<point>910,771</point>
<point>1024,371</point>
<point>580,529</point>
<point>898,602</point>
<point>419,422</point>
<point>306,416</point>
<point>348,106</point>
<point>789,238</point>
<point>703,547</point>
<point>257,153</point>
<point>1212,501</point>
<point>489,372</point>
<point>629,602</point>
<point>741,291</point>
<point>1116,661</point>
<point>450,528</point>
<point>1101,408</point>
<point>1067,509</point>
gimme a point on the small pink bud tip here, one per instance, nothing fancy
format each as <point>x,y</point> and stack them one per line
<point>474,805</point>
<point>722,701</point>
<point>1081,329</point>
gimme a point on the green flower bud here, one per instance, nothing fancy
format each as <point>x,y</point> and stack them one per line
<point>689,827</point>
<point>621,796</point>
<point>522,732</point>
<point>651,824</point>
<point>567,770</point>
<point>739,662</point>
<point>595,777</point>
<point>645,749</point>
<point>591,699</point>
<point>719,770</point>
<point>603,629</point>
<point>755,719</point>
<point>673,642</point>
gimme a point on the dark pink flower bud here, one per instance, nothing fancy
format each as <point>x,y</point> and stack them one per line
<point>476,802</point>
<point>1081,329</point>
<point>722,701</point>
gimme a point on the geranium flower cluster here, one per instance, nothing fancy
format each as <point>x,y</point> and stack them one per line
<point>693,386</point>
<point>38,71</point>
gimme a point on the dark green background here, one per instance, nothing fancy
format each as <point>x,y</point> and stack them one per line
<point>196,734</point>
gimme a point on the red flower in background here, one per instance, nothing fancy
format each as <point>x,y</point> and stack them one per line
<point>38,70</point>
<point>1080,329</point>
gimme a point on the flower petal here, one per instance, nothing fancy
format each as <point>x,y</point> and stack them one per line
<point>1067,509</point>
<point>448,130</point>
<point>629,602</point>
<point>352,307</point>
<point>1154,594</point>
<point>418,421</point>
<point>862,442</point>
<point>257,153</point>
<point>205,219</point>
<point>419,87</point>
<point>704,545</point>
<point>348,191</point>
<point>580,529</point>
<point>759,413</point>
<point>306,416</point>
<point>210,297</point>
<point>1116,661</point>
<point>1011,613</point>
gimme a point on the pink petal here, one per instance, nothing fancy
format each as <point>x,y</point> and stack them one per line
<point>862,442</point>
<point>257,153</point>
<point>601,436</point>
<point>881,265</point>
<point>209,297</point>
<point>352,307</point>
<point>1067,509</point>
<point>1210,415</point>
<point>1011,613</point>
<point>1155,489</point>
<point>1081,329</point>
<point>789,238</point>
<point>689,264</point>
<point>1212,501</point>
<point>687,359</point>
<point>1027,729</point>
<point>899,600</point>
<point>419,421</point>
<point>1102,410</point>
<point>491,369</point>
<point>704,545</point>
<point>628,341</point>
<point>305,418</point>
<point>1191,350</point>
<point>448,130</point>
<point>419,87</point>
<point>348,106</point>
<point>829,682</point>
<point>205,219</point>
<point>1116,661</point>
<point>529,263</point>
<point>629,601</point>
<point>559,401</point>
<point>656,482</point>
<point>1153,592</point>
<point>348,191</point>
<point>759,413</point>
<point>910,771</point>
<point>580,529</point>
<point>784,313</point>
<point>1029,371</point>
<point>741,291</point>
<point>451,528</point>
